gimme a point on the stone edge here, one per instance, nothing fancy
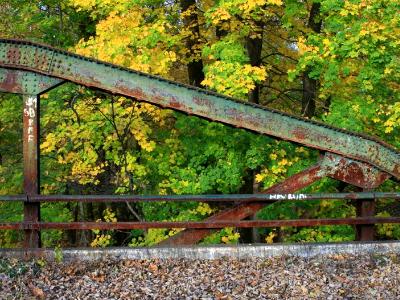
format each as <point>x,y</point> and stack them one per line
<point>211,252</point>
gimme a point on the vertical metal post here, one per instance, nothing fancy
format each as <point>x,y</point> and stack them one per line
<point>31,166</point>
<point>365,208</point>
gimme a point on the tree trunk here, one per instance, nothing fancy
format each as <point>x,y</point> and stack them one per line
<point>309,95</point>
<point>310,84</point>
<point>254,48</point>
<point>195,65</point>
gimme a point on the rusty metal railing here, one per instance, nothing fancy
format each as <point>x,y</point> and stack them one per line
<point>206,224</point>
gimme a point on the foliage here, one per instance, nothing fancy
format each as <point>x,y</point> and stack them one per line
<point>13,268</point>
<point>387,231</point>
<point>227,235</point>
<point>104,239</point>
<point>230,73</point>
<point>93,143</point>
<point>58,254</point>
<point>11,165</point>
<point>356,65</point>
<point>50,21</point>
<point>157,211</point>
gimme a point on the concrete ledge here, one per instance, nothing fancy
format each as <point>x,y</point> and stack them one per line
<point>213,252</point>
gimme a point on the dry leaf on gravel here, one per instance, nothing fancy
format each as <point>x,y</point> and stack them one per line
<point>37,292</point>
<point>319,277</point>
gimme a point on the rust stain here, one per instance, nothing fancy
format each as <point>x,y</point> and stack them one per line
<point>137,92</point>
<point>299,133</point>
<point>202,101</point>
<point>10,83</point>
<point>176,104</point>
<point>14,55</point>
<point>354,172</point>
<point>41,61</point>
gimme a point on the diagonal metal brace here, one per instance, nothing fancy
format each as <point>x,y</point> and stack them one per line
<point>332,165</point>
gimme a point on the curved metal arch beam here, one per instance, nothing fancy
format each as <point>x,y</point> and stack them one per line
<point>23,55</point>
<point>26,82</point>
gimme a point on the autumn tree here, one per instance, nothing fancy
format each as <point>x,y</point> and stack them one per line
<point>336,61</point>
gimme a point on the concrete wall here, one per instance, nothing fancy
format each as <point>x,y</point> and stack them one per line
<point>215,252</point>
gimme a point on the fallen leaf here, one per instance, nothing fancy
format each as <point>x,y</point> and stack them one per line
<point>153,268</point>
<point>37,292</point>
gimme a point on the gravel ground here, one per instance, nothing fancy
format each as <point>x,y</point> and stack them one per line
<point>321,277</point>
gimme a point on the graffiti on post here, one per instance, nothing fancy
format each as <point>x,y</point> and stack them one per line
<point>30,113</point>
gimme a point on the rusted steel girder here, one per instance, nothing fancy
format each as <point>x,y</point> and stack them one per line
<point>31,166</point>
<point>25,82</point>
<point>48,61</point>
<point>330,165</point>
<point>192,224</point>
<point>353,172</point>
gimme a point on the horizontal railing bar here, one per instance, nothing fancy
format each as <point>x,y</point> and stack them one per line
<point>14,198</point>
<point>196,224</point>
<point>202,198</point>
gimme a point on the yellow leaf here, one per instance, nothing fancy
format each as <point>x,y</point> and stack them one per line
<point>225,239</point>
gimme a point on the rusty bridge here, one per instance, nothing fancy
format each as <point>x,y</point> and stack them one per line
<point>32,69</point>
